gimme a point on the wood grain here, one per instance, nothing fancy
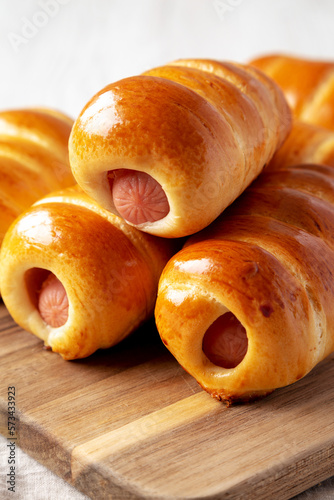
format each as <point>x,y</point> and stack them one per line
<point>129,423</point>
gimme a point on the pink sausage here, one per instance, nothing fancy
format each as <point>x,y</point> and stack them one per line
<point>225,341</point>
<point>53,302</point>
<point>138,198</point>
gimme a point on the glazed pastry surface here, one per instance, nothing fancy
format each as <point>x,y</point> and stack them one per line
<point>306,143</point>
<point>307,84</point>
<point>267,264</point>
<point>170,149</point>
<point>77,276</point>
<point>33,159</point>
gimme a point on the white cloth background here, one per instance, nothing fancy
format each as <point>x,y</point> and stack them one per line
<point>58,53</point>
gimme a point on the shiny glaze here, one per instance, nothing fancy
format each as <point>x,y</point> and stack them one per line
<point>109,271</point>
<point>239,76</point>
<point>306,143</point>
<point>294,207</point>
<point>231,102</point>
<point>33,159</point>
<point>318,181</point>
<point>308,86</point>
<point>270,261</point>
<point>203,130</point>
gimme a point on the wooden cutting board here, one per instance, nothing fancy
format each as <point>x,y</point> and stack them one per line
<point>129,423</point>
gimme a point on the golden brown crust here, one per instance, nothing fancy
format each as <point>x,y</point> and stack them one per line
<point>313,179</point>
<point>269,260</point>
<point>306,143</point>
<point>109,270</point>
<point>202,129</point>
<point>33,159</point>
<point>308,86</point>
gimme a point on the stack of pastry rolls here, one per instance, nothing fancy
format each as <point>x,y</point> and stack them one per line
<point>245,305</point>
<point>167,152</point>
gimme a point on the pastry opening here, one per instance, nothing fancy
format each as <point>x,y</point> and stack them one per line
<point>225,342</point>
<point>48,296</point>
<point>137,197</point>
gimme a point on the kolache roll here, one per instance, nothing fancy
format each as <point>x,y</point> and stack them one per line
<point>77,276</point>
<point>170,149</point>
<point>246,306</point>
<point>33,159</point>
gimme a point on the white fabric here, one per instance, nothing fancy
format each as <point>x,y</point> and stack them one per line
<point>33,481</point>
<point>58,53</point>
<point>322,491</point>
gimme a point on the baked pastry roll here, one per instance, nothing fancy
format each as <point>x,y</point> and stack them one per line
<point>307,84</point>
<point>170,149</point>
<point>306,143</point>
<point>77,276</point>
<point>247,305</point>
<point>33,159</point>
